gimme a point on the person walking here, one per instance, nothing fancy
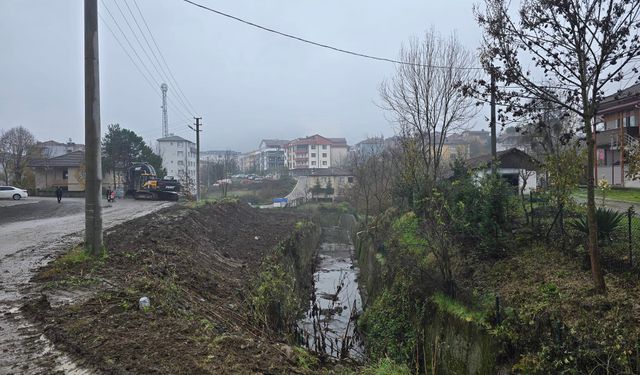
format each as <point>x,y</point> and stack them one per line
<point>59,194</point>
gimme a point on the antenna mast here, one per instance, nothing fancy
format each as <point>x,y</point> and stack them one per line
<point>165,117</point>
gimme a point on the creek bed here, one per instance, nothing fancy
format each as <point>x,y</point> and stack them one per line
<point>329,325</point>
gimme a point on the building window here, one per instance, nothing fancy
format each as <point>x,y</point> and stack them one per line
<point>350,179</point>
<point>324,162</point>
<point>180,162</point>
<point>630,121</point>
<point>179,144</point>
<point>313,147</point>
<point>65,174</point>
<point>324,147</point>
<point>313,163</point>
<point>180,153</point>
<point>313,154</point>
<point>324,154</point>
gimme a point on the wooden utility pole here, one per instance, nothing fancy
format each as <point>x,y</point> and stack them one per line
<point>93,162</point>
<point>492,124</point>
<point>197,130</point>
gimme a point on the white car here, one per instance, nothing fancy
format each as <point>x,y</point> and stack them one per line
<point>12,192</point>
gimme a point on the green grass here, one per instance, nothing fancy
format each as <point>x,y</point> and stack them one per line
<point>457,309</point>
<point>385,367</point>
<point>631,195</point>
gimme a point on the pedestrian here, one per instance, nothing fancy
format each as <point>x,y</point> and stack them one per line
<point>59,194</point>
<point>108,192</point>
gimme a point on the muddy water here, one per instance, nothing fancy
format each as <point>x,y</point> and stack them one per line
<point>329,324</point>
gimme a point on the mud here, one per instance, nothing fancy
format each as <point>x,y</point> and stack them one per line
<point>196,266</point>
<point>25,245</point>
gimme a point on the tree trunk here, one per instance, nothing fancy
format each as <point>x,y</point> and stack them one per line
<point>594,254</point>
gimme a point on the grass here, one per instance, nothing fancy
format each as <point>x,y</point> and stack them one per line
<point>76,258</point>
<point>631,195</point>
<point>457,309</point>
<point>385,367</point>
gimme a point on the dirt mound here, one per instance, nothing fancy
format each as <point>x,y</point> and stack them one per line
<point>195,265</point>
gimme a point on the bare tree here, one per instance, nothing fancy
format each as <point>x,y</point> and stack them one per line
<point>565,53</point>
<point>424,96</point>
<point>4,157</point>
<point>17,143</point>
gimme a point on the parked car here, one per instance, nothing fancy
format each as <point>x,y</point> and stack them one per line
<point>12,192</point>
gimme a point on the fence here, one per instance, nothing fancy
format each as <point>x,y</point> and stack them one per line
<point>618,232</point>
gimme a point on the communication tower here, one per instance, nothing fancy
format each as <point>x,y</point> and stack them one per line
<point>165,116</point>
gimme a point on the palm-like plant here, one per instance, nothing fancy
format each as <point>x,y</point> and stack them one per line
<point>607,219</point>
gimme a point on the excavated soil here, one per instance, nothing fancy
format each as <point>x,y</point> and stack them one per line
<point>196,266</point>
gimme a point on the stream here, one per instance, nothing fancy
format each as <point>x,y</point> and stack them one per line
<point>328,327</point>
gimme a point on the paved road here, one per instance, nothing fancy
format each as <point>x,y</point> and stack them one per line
<point>619,206</point>
<point>300,191</point>
<point>32,233</point>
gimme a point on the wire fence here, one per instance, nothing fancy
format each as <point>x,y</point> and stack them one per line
<point>565,228</point>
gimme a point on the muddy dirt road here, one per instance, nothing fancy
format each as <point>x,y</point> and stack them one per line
<point>32,234</point>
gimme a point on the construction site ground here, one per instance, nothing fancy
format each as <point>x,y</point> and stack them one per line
<point>195,265</point>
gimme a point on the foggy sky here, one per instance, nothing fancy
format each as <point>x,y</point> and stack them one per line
<point>246,84</point>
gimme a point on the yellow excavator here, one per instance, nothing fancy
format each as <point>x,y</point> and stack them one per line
<point>143,183</point>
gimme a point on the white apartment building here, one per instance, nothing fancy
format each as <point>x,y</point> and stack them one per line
<point>178,158</point>
<point>316,151</point>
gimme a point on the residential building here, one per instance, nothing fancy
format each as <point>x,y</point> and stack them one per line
<point>52,149</point>
<point>316,151</point>
<point>272,155</point>
<point>370,146</point>
<point>518,168</point>
<point>248,162</point>
<point>333,183</point>
<point>179,159</point>
<point>219,156</point>
<point>66,171</point>
<point>619,115</point>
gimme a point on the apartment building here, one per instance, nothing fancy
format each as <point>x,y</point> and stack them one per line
<point>178,158</point>
<point>316,151</point>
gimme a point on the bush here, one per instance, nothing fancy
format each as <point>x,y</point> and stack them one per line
<point>388,326</point>
<point>607,221</point>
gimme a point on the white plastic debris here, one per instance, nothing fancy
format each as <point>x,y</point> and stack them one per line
<point>144,303</point>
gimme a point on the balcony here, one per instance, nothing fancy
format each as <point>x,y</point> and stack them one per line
<point>611,137</point>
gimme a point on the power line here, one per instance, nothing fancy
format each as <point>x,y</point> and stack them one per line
<point>146,68</point>
<point>162,57</point>
<point>161,71</point>
<point>133,61</point>
<point>322,45</point>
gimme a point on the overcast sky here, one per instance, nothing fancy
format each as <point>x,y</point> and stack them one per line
<point>247,84</point>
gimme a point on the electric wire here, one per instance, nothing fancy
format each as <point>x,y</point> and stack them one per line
<point>163,74</point>
<point>146,68</point>
<point>323,45</point>
<point>133,61</point>
<point>175,82</point>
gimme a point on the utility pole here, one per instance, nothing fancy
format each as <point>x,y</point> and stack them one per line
<point>197,130</point>
<point>93,162</point>
<point>494,142</point>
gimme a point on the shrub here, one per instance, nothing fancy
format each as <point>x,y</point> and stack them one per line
<point>607,221</point>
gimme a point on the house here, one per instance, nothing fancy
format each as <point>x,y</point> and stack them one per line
<point>51,149</point>
<point>619,115</point>
<point>332,183</point>
<point>66,171</point>
<point>179,159</point>
<point>316,151</point>
<point>514,165</point>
